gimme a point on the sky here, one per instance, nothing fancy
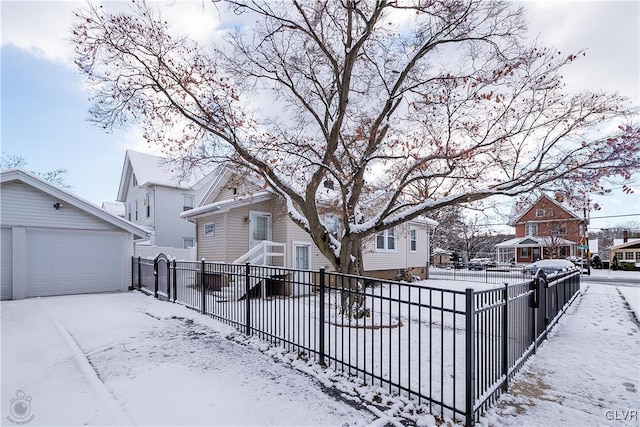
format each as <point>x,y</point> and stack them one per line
<point>44,104</point>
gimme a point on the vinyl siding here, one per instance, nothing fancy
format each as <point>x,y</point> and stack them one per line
<point>25,206</point>
<point>170,228</point>
<point>297,234</point>
<point>213,248</point>
<point>401,257</point>
<point>226,192</point>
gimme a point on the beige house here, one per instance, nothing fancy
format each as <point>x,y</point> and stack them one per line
<point>627,252</point>
<point>239,221</point>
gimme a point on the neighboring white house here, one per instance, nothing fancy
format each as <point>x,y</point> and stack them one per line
<point>154,196</point>
<point>55,243</point>
<point>238,220</point>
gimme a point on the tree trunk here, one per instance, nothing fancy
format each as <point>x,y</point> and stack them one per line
<point>352,295</point>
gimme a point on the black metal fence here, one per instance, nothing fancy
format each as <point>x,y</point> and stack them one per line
<point>496,275</point>
<point>451,349</point>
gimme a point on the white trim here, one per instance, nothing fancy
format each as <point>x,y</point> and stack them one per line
<point>303,244</point>
<point>11,175</point>
<point>410,240</point>
<point>385,234</point>
<point>252,215</point>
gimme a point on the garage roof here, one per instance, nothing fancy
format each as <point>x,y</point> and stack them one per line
<point>19,175</point>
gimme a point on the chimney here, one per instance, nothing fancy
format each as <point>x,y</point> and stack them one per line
<point>625,236</point>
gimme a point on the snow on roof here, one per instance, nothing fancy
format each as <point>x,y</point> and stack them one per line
<point>152,169</point>
<point>225,205</point>
<point>115,208</point>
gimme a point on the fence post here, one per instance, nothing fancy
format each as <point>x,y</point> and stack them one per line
<point>247,286</point>
<point>168,280</point>
<point>155,277</point>
<point>139,275</point>
<point>321,318</point>
<point>133,278</point>
<point>203,287</point>
<point>505,338</point>
<point>175,280</point>
<point>469,357</point>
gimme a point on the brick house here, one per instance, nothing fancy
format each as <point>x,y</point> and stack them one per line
<point>545,229</point>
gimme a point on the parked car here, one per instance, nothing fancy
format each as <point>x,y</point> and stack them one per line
<point>576,260</point>
<point>549,266</point>
<point>481,263</point>
<point>459,264</point>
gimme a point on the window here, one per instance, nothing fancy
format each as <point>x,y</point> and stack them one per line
<point>209,229</point>
<point>128,211</point>
<point>188,243</point>
<point>147,201</point>
<point>524,252</point>
<point>301,254</point>
<point>550,212</point>
<point>261,229</point>
<point>386,240</point>
<point>136,209</point>
<point>628,255</point>
<point>413,239</point>
<point>638,256</point>
<point>188,202</point>
<point>332,223</point>
<point>531,229</point>
<point>539,212</point>
<point>135,181</point>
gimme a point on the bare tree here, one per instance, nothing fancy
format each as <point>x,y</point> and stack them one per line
<point>381,97</point>
<point>56,176</point>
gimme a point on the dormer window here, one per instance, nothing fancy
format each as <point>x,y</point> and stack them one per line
<point>539,213</point>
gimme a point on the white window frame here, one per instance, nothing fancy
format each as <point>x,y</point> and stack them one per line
<point>539,213</point>
<point>388,235</point>
<point>187,239</point>
<point>147,201</point>
<point>186,197</point>
<point>294,258</point>
<point>531,226</point>
<point>212,231</point>
<point>413,239</point>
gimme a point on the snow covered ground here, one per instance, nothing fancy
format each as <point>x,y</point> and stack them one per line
<point>586,373</point>
<point>128,359</point>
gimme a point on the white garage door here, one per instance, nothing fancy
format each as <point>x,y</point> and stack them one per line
<point>70,262</point>
<point>5,264</point>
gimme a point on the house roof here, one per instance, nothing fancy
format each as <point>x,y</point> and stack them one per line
<point>519,209</point>
<point>19,175</point>
<point>631,244</point>
<point>532,241</point>
<point>116,208</point>
<point>150,169</point>
<point>228,204</point>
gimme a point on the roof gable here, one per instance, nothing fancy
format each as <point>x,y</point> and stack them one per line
<point>521,210</point>
<point>150,169</point>
<point>19,175</point>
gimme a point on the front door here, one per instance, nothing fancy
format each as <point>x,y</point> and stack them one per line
<point>259,228</point>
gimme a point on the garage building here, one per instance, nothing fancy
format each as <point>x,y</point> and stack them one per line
<point>55,243</point>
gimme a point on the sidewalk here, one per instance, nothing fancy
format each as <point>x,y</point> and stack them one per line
<point>586,373</point>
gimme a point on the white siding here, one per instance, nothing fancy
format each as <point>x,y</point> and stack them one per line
<point>6,260</point>
<point>170,228</point>
<point>25,206</point>
<point>401,257</point>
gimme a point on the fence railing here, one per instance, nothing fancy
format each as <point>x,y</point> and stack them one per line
<point>496,275</point>
<point>452,349</point>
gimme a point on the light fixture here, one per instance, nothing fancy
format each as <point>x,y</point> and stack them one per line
<point>57,205</point>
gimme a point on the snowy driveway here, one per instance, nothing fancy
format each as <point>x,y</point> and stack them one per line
<point>127,359</point>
